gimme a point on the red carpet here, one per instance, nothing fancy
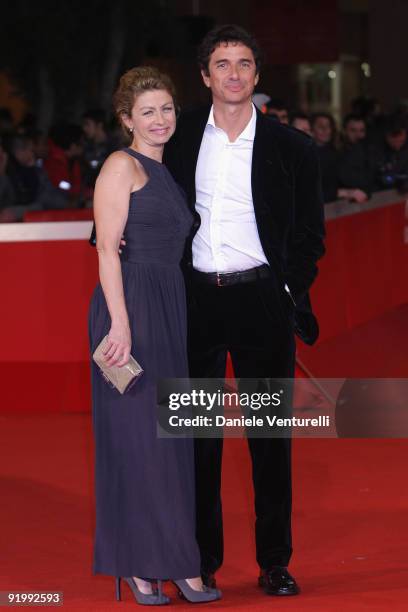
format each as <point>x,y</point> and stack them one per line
<point>350,512</point>
<point>376,348</point>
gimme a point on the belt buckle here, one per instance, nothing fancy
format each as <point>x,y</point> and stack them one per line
<point>225,278</point>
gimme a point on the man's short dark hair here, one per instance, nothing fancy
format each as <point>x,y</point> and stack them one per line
<point>95,114</point>
<point>20,142</point>
<point>66,134</point>
<point>364,106</point>
<point>5,114</point>
<point>226,34</point>
<point>395,124</point>
<point>277,103</point>
<point>352,117</point>
<point>315,116</point>
<point>298,115</point>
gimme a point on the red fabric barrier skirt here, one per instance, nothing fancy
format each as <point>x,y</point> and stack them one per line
<point>47,286</point>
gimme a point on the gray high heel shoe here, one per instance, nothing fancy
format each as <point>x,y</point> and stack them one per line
<point>157,598</point>
<point>193,596</point>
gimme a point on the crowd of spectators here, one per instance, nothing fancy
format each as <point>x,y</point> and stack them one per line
<point>369,153</point>
<point>51,172</point>
<point>37,172</point>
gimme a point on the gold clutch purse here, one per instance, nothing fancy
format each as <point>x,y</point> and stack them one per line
<point>122,378</point>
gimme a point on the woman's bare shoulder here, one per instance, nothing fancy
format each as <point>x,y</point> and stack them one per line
<point>120,165</point>
<point>122,161</point>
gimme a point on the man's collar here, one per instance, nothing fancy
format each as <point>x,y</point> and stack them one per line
<point>248,132</point>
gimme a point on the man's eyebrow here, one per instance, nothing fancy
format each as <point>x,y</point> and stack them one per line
<point>241,59</point>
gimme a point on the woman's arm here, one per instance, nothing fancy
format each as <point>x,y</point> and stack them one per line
<point>118,177</point>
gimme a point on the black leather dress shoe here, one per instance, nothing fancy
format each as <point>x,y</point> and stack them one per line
<point>277,581</point>
<point>209,580</point>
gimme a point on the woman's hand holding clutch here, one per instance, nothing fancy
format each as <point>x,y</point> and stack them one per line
<point>119,344</point>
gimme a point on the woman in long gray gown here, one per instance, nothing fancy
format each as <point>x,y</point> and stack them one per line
<point>145,514</point>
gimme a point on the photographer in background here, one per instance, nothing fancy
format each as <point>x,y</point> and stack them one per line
<point>97,147</point>
<point>27,186</point>
<point>7,195</point>
<point>354,169</point>
<point>301,122</point>
<point>390,159</point>
<point>277,108</point>
<point>324,134</point>
<point>63,162</point>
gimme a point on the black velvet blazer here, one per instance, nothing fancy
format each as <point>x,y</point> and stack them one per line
<point>287,197</point>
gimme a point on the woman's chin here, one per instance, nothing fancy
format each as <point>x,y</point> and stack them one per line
<point>159,141</point>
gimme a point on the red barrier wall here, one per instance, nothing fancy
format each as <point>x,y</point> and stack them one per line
<point>365,269</point>
<point>47,287</point>
<point>44,350</point>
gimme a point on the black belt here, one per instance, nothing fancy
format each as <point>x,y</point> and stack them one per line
<point>232,278</point>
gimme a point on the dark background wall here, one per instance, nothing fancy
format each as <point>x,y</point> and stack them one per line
<point>388,41</point>
<point>57,58</point>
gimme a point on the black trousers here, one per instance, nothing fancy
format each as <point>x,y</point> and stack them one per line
<point>254,322</point>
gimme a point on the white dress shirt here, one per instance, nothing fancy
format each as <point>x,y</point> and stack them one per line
<point>228,239</point>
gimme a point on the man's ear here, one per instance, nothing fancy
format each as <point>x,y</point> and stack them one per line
<point>206,78</point>
<point>257,78</point>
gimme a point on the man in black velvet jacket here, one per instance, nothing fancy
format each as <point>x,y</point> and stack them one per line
<point>254,186</point>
